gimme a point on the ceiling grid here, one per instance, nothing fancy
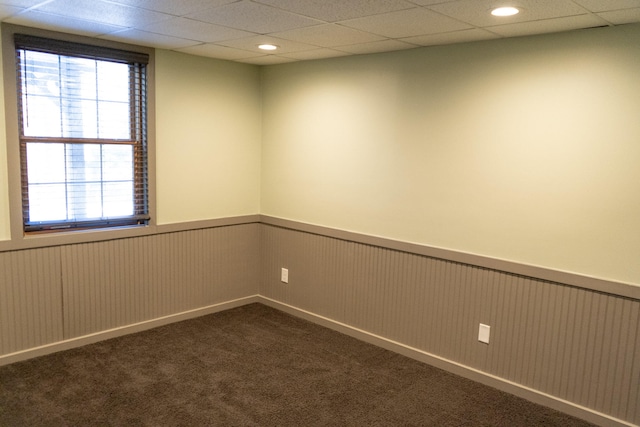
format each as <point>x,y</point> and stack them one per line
<point>309,29</point>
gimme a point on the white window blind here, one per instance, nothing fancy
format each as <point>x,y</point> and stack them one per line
<point>82,113</point>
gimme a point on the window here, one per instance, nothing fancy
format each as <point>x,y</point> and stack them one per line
<point>83,137</point>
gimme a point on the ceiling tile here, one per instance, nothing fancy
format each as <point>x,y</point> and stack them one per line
<point>547,26</point>
<point>173,7</point>
<point>101,11</point>
<point>21,3</point>
<point>430,2</point>
<point>220,52</point>
<point>477,12</point>
<point>475,34</point>
<point>251,44</point>
<point>6,11</point>
<point>607,5</point>
<point>339,10</point>
<point>253,17</point>
<point>149,39</point>
<point>406,23</point>
<point>376,47</point>
<point>195,30</point>
<point>48,21</point>
<point>308,29</point>
<point>268,60</point>
<point>618,17</point>
<point>320,53</point>
<point>328,35</point>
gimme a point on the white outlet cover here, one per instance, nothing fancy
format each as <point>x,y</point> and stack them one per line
<point>483,333</point>
<point>284,275</point>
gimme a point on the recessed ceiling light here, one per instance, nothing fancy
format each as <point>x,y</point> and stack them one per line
<point>505,11</point>
<point>267,47</point>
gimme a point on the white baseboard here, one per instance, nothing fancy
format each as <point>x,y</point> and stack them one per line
<point>123,330</point>
<point>453,367</point>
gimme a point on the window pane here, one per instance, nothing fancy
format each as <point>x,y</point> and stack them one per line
<point>114,120</point>
<point>83,162</point>
<point>117,162</point>
<point>41,94</point>
<point>46,163</point>
<point>78,77</point>
<point>41,73</point>
<point>113,81</point>
<point>99,177</point>
<point>47,202</point>
<point>84,200</point>
<point>118,199</point>
<point>79,118</point>
<point>79,91</point>
<point>42,116</point>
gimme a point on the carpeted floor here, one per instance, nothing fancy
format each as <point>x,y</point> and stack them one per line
<point>250,366</point>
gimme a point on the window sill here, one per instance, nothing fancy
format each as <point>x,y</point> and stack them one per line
<point>58,238</point>
<point>61,238</point>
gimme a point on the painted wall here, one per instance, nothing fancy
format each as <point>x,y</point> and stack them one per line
<point>522,149</point>
<point>208,127</point>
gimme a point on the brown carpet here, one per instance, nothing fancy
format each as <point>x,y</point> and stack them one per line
<point>250,366</point>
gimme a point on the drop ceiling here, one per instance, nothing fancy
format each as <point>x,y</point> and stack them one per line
<point>309,29</point>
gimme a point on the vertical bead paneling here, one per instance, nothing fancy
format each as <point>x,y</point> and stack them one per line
<point>30,299</point>
<point>579,345</point>
<point>122,282</point>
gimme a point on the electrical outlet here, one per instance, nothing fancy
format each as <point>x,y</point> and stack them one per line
<point>284,275</point>
<point>483,333</point>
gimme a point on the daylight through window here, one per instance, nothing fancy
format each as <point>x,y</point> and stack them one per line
<point>82,112</point>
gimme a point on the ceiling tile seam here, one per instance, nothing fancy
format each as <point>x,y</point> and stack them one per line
<point>403,39</point>
<point>414,6</point>
<point>320,21</point>
<point>188,39</point>
<point>87,20</point>
<point>253,32</point>
<point>136,7</point>
<point>605,21</point>
<point>596,14</point>
<point>251,54</point>
<point>222,43</point>
<point>28,9</point>
<point>125,29</point>
<point>487,27</point>
<point>338,24</point>
<point>328,47</point>
<point>152,10</point>
<point>428,8</point>
<point>484,29</point>
<point>36,6</point>
<point>472,26</point>
<point>555,18</point>
<point>577,3</point>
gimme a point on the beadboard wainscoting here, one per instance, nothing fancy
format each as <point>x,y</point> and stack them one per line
<point>560,345</point>
<point>59,297</point>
